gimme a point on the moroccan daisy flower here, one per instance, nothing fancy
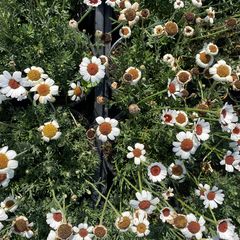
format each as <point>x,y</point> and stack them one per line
<point>188,31</point>
<point>34,76</point>
<point>171,28</point>
<point>213,197</point>
<point>197,3</point>
<point>76,92</point>
<point>228,116</point>
<point>111,3</point>
<point>5,177</point>
<point>225,229</point>
<point>50,131</point>
<point>211,49</point>
<point>203,59</point>
<point>168,194</point>
<point>181,119</point>
<point>83,232</point>
<point>2,98</point>
<point>54,218</point>
<point>141,225</point>
<point>202,189</point>
<point>157,172</point>
<point>178,4</point>
<point>45,91</point>
<point>174,88</point>
<point>9,204</point>
<point>92,69</point>
<point>166,214</point>
<point>134,74</point>
<point>130,14</point>
<point>183,77</point>
<point>100,231</point>
<point>179,221</point>
<point>125,32</point>
<point>210,16</point>
<point>158,30</point>
<point>221,71</point>
<point>92,3</point>
<point>231,161</point>
<point>202,129</point>
<point>22,227</point>
<point>124,222</point>
<point>168,58</point>
<point>11,85</point>
<point>186,145</point>
<point>177,170</point>
<point>235,132</point>
<point>194,227</point>
<point>107,128</point>
<point>168,117</point>
<point>7,159</point>
<point>137,153</point>
<point>144,202</point>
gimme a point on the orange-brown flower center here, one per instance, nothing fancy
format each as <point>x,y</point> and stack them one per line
<point>213,48</point>
<point>141,228</point>
<point>211,196</point>
<point>134,73</point>
<point>137,152</point>
<point>77,91</point>
<point>168,117</point>
<point>180,221</point>
<point>171,28</point>
<point>145,204</point>
<point>64,231</point>
<point>92,69</point>
<point>155,170</point>
<point>166,212</point>
<point>229,160</point>
<point>57,217</point>
<point>34,75</point>
<point>3,161</point>
<point>12,83</point>
<point>177,170</point>
<point>100,231</point>
<point>125,31</point>
<point>124,223</point>
<point>83,232</point>
<point>236,130</point>
<point>20,226</point>
<point>181,118</point>
<point>105,128</point>
<point>194,227</point>
<point>184,76</point>
<point>223,71</point>
<point>205,58</point>
<point>198,129</point>
<point>223,227</point>
<point>9,203</point>
<point>43,89</point>
<point>187,145</point>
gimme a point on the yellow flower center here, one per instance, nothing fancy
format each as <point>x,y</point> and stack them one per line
<point>43,89</point>
<point>205,58</point>
<point>223,71</point>
<point>20,226</point>
<point>3,161</point>
<point>134,73</point>
<point>124,223</point>
<point>77,91</point>
<point>34,75</point>
<point>141,228</point>
<point>49,130</point>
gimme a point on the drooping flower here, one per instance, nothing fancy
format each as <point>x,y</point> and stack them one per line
<point>92,69</point>
<point>145,202</point>
<point>157,172</point>
<point>124,222</point>
<point>92,3</point>
<point>204,60</point>
<point>186,145</point>
<point>107,128</point>
<point>167,214</point>
<point>213,197</point>
<point>50,131</point>
<point>83,232</point>
<point>134,75</point>
<point>45,91</point>
<point>177,170</point>
<point>181,119</point>
<point>210,16</point>
<point>137,153</point>
<point>221,71</point>
<point>54,218</point>
<point>22,227</point>
<point>202,129</point>
<point>194,227</point>
<point>7,159</point>
<point>174,88</point>
<point>141,225</point>
<point>125,32</point>
<point>9,204</point>
<point>34,76</point>
<point>231,160</point>
<point>76,92</point>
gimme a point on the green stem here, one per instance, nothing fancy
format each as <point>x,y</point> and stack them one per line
<point>85,15</point>
<point>213,215</point>
<point>105,205</point>
<point>129,183</point>
<point>139,180</point>
<point>153,95</point>
<point>118,26</point>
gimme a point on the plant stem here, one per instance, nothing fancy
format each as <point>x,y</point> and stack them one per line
<point>105,205</point>
<point>85,15</point>
<point>213,215</point>
<point>153,95</point>
<point>139,180</point>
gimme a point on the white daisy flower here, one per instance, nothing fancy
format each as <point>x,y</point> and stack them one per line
<point>228,116</point>
<point>211,49</point>
<point>202,129</point>
<point>183,77</point>
<point>135,74</point>
<point>225,229</point>
<point>168,194</point>
<point>22,227</point>
<point>221,72</point>
<point>107,128</point>
<point>235,132</point>
<point>34,76</point>
<point>125,32</point>
<point>124,222</point>
<point>11,85</point>
<point>5,177</point>
<point>231,161</point>
<point>213,197</point>
<point>210,16</point>
<point>197,3</point>
<point>130,13</point>
<point>174,88</point>
<point>188,31</point>
<point>157,172</point>
<point>168,117</point>
<point>45,91</point>
<point>2,98</point>
<point>92,69</point>
<point>177,170</point>
<point>141,225</point>
<point>54,218</point>
<point>137,153</point>
<point>178,4</point>
<point>203,59</point>
<point>76,92</point>
<point>144,202</point>
<point>194,227</point>
<point>100,231</point>
<point>202,189</point>
<point>235,146</point>
<point>92,3</point>
<point>7,159</point>
<point>168,58</point>
<point>50,131</point>
<point>9,204</point>
<point>158,30</point>
<point>111,3</point>
<point>186,146</point>
<point>166,214</point>
<point>181,119</point>
<point>83,232</point>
